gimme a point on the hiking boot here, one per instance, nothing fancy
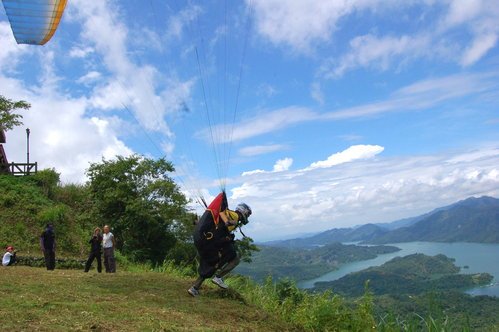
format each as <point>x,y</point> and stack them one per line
<point>219,282</point>
<point>193,291</point>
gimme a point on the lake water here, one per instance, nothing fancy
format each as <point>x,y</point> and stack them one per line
<point>478,257</point>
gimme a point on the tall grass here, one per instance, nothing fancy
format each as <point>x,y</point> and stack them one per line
<point>310,311</point>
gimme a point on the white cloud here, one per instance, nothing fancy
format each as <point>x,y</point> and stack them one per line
<point>355,152</point>
<point>283,165</point>
<point>137,86</point>
<point>263,123</point>
<point>89,77</point>
<point>316,93</point>
<point>257,150</point>
<point>10,52</point>
<point>309,25</point>
<point>481,45</point>
<point>378,52</point>
<point>177,24</point>
<point>256,171</point>
<point>365,190</point>
<point>280,165</point>
<point>68,131</point>
<point>61,135</point>
<point>462,11</point>
<point>304,24</point>
<point>168,148</point>
<point>80,52</point>
<point>420,95</point>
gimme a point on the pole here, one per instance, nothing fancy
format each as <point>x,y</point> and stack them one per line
<point>27,149</point>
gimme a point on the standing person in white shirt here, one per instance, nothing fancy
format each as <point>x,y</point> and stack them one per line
<point>108,243</point>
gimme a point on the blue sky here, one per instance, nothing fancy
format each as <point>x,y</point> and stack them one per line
<point>348,112</point>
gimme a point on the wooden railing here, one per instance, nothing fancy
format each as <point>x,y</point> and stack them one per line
<point>23,168</point>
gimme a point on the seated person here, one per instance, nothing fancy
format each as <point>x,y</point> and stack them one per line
<point>9,258</point>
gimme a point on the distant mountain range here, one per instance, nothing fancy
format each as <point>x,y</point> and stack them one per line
<point>470,220</point>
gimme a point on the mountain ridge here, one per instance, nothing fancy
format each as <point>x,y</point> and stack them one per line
<point>468,215</point>
<point>469,220</point>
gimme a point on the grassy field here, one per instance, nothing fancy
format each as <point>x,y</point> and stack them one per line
<point>38,300</point>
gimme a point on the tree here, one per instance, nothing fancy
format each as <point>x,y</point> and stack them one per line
<point>143,205</point>
<point>9,119</point>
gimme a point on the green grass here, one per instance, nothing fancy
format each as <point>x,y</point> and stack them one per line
<point>61,300</point>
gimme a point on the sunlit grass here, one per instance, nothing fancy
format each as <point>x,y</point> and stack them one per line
<point>36,299</point>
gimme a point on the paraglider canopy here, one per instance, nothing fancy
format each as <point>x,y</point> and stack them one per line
<point>34,21</point>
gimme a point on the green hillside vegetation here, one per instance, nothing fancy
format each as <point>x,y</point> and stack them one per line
<point>27,204</point>
<point>412,274</point>
<point>422,284</point>
<point>302,264</point>
<point>458,311</point>
<point>134,195</point>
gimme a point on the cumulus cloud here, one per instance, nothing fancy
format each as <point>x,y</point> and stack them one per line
<point>303,24</point>
<point>150,102</point>
<point>71,130</point>
<point>355,152</point>
<point>365,190</point>
<point>280,165</point>
<point>283,165</point>
<point>460,31</point>
<point>62,136</point>
<point>9,52</point>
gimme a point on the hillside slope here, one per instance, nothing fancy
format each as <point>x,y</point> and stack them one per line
<point>62,300</point>
<point>470,220</point>
<point>27,204</point>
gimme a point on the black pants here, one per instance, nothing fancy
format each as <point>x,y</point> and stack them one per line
<point>90,260</point>
<point>211,259</point>
<point>12,260</point>
<point>109,261</point>
<point>49,259</point>
<point>224,258</point>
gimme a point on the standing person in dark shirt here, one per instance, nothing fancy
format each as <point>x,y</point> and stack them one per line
<point>95,250</point>
<point>47,244</point>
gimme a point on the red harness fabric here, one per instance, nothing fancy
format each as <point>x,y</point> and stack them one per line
<point>218,205</point>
